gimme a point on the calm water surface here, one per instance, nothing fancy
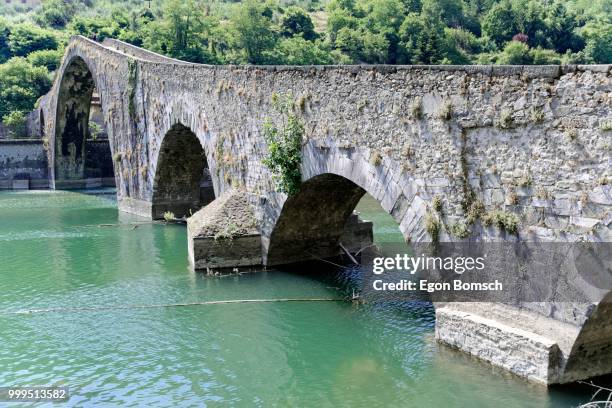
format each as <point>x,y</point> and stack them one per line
<point>71,250</point>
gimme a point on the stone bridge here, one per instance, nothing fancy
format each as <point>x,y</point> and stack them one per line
<point>441,148</point>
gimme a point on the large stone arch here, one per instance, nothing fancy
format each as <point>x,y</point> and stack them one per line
<point>72,115</point>
<point>310,223</point>
<point>591,353</point>
<point>182,183</point>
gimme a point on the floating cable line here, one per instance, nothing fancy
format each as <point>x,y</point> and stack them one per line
<point>169,305</point>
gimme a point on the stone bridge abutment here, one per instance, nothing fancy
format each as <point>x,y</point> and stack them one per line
<point>452,153</point>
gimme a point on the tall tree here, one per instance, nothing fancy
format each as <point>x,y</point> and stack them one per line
<point>26,38</point>
<point>252,31</point>
<point>296,21</point>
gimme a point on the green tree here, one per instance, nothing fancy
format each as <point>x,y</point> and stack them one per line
<point>21,84</point>
<point>560,28</point>
<point>598,37</point>
<point>451,11</point>
<point>380,24</point>
<point>26,38</point>
<point>298,51</point>
<point>284,142</point>
<point>5,51</point>
<point>515,53</point>
<point>422,37</point>
<point>296,21</point>
<point>541,56</point>
<point>55,13</point>
<point>341,14</point>
<point>182,33</point>
<point>529,20</point>
<point>500,23</point>
<point>252,31</point>
<point>49,59</point>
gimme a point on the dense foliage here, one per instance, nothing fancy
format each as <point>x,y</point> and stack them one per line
<point>310,32</point>
<point>284,139</point>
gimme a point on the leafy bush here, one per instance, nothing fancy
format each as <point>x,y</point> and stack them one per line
<point>515,53</point>
<point>542,56</point>
<point>55,13</point>
<point>503,220</point>
<point>284,141</point>
<point>49,59</point>
<point>26,38</point>
<point>432,226</point>
<point>298,51</point>
<point>16,121</point>
<point>21,84</point>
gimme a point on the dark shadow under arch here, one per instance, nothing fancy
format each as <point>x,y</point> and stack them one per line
<point>77,163</point>
<point>182,183</point>
<point>313,220</point>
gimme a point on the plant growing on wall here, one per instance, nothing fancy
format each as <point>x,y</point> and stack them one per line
<point>284,141</point>
<point>132,80</point>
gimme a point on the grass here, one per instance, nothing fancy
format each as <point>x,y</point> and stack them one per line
<point>446,110</point>
<point>460,230</point>
<point>505,119</point>
<point>376,158</point>
<point>503,220</point>
<point>432,226</point>
<point>436,203</point>
<point>416,108</point>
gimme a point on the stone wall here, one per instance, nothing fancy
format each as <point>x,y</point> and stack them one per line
<point>25,157</point>
<point>32,128</point>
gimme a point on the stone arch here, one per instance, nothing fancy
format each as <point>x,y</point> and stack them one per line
<point>72,116</point>
<point>591,353</point>
<point>312,221</point>
<point>182,183</point>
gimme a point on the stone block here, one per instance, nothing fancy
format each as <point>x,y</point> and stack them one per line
<point>525,353</point>
<point>21,184</point>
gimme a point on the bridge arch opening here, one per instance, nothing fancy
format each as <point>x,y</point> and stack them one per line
<point>591,353</point>
<point>321,216</point>
<point>182,183</point>
<point>82,149</point>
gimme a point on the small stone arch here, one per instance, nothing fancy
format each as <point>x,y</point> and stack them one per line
<point>310,223</point>
<point>182,183</point>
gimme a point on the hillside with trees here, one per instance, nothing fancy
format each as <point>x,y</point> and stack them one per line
<point>32,35</point>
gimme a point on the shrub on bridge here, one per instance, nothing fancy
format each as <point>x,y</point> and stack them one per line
<point>284,141</point>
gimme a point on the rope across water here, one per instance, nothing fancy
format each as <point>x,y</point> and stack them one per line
<point>212,302</point>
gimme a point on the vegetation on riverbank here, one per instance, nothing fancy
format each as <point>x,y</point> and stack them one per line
<point>302,32</point>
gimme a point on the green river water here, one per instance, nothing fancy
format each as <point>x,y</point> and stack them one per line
<point>57,252</point>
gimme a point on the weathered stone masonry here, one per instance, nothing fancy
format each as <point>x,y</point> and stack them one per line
<point>520,142</point>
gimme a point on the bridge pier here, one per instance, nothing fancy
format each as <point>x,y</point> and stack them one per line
<point>542,349</point>
<point>224,236</point>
